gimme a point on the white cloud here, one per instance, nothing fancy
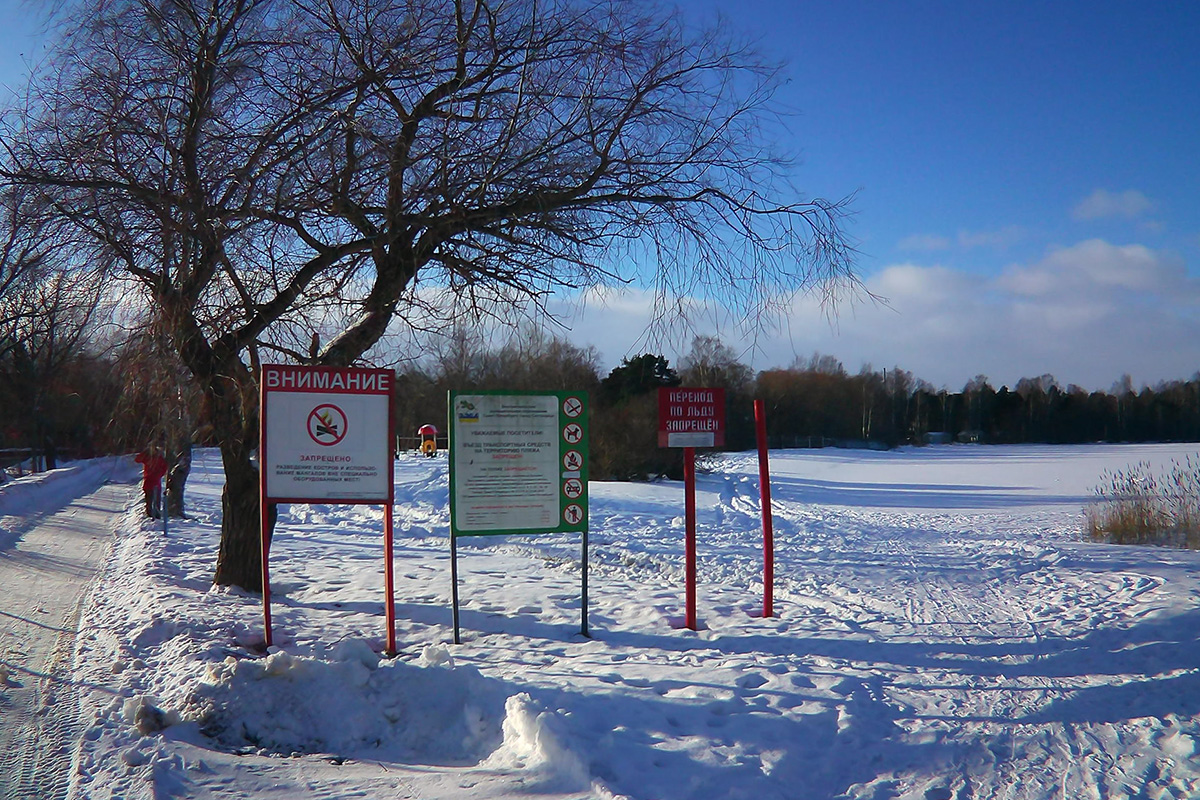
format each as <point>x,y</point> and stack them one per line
<point>624,322</point>
<point>1086,314</point>
<point>996,239</point>
<point>1102,204</point>
<point>921,242</point>
<point>1096,266</point>
<point>925,285</point>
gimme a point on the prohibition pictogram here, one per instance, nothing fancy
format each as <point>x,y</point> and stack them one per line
<point>572,407</point>
<point>573,488</point>
<point>327,425</point>
<point>573,514</point>
<point>572,461</point>
<point>572,433</point>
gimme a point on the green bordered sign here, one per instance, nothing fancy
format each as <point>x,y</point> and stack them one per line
<point>518,462</point>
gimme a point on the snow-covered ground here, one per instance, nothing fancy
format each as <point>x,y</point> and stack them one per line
<point>941,632</point>
<point>55,529</point>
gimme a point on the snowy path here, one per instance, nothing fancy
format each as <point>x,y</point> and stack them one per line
<point>46,567</point>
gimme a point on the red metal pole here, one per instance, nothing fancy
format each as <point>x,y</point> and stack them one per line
<point>689,500</point>
<point>265,544</point>
<point>264,522</point>
<point>764,489</point>
<point>388,581</point>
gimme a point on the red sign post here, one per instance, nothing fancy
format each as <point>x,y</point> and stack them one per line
<point>764,490</point>
<point>326,437</point>
<point>690,418</point>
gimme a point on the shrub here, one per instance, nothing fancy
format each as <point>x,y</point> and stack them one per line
<point>1135,506</point>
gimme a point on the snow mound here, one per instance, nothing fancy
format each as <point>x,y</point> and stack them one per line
<point>287,704</point>
<point>535,740</point>
<point>143,713</point>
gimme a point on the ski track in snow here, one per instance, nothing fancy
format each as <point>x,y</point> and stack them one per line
<point>941,632</point>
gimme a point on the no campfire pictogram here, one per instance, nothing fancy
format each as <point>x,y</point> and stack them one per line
<point>327,424</point>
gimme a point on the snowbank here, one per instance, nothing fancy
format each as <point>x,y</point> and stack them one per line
<point>24,500</point>
<point>348,704</point>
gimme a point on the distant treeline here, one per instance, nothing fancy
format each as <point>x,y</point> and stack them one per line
<point>819,398</point>
<point>814,402</point>
<point>82,400</point>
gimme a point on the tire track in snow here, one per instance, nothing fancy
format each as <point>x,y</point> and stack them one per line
<point>956,600</point>
<point>46,578</point>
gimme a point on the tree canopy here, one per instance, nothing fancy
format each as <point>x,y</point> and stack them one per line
<point>271,175</point>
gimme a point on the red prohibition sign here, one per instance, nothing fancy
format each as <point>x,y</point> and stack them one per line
<point>327,425</point>
<point>572,407</point>
<point>572,433</point>
<point>573,514</point>
<point>573,488</point>
<point>573,461</point>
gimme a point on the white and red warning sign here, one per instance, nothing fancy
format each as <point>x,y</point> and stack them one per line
<point>691,417</point>
<point>326,434</point>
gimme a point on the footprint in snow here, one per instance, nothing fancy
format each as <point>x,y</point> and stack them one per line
<point>751,680</point>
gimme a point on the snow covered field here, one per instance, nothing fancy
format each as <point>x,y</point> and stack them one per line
<point>941,632</point>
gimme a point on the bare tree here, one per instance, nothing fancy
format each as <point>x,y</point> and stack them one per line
<point>711,362</point>
<point>270,168</point>
<point>25,246</point>
<point>534,359</point>
<point>49,322</point>
<point>158,406</point>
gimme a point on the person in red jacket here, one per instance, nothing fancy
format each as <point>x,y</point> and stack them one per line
<point>154,467</point>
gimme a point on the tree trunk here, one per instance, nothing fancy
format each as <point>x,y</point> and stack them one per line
<point>239,561</point>
<point>50,451</point>
<point>181,466</point>
<point>232,400</point>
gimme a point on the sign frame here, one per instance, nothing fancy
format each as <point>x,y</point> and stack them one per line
<point>285,388</point>
<point>353,398</point>
<point>571,458</point>
<point>690,417</point>
<point>517,462</point>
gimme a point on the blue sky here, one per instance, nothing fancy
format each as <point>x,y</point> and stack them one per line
<point>990,123</point>
<point>1027,178</point>
<point>20,40</point>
